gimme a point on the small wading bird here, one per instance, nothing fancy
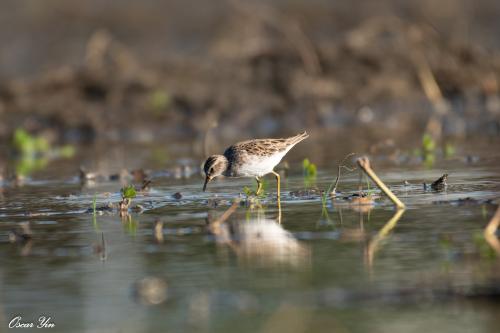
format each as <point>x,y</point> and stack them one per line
<point>252,158</point>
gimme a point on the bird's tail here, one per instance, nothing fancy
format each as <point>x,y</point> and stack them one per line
<point>299,137</point>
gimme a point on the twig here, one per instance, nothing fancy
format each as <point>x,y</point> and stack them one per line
<point>158,231</point>
<point>103,247</point>
<point>341,165</point>
<point>490,230</point>
<point>492,226</point>
<point>364,164</point>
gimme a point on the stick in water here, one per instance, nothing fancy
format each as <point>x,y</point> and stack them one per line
<point>490,230</point>
<point>364,164</point>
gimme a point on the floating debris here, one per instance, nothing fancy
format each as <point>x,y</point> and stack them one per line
<point>84,175</point>
<point>22,234</point>
<point>158,231</point>
<point>145,187</point>
<point>309,193</point>
<point>439,184</point>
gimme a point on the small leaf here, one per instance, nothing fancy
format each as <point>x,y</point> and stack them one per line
<point>67,151</point>
<point>248,192</point>
<point>428,143</point>
<point>128,192</point>
<point>159,100</point>
<point>305,163</point>
<point>449,150</point>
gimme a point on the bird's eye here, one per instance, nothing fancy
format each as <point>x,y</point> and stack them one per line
<point>211,171</point>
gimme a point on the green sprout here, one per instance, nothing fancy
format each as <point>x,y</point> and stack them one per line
<point>94,213</point>
<point>253,191</point>
<point>128,192</point>
<point>159,100</point>
<point>310,172</point>
<point>428,143</point>
<point>429,150</point>
<point>449,150</point>
<point>94,204</point>
<point>27,144</point>
<point>34,152</point>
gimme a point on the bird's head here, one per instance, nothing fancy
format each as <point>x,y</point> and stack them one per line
<point>214,166</point>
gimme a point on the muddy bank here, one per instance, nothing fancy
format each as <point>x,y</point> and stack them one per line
<point>264,74</point>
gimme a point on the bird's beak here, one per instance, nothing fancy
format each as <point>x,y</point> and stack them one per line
<point>207,179</point>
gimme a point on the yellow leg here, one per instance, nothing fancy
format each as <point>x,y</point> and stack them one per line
<point>277,182</point>
<point>278,195</point>
<point>259,185</point>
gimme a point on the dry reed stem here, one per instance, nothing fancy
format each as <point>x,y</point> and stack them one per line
<point>158,231</point>
<point>364,164</point>
<point>431,88</point>
<point>490,232</point>
<point>429,83</point>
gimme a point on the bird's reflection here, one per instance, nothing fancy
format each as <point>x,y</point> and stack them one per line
<point>257,239</point>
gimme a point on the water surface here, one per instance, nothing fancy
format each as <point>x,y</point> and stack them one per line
<point>316,271</point>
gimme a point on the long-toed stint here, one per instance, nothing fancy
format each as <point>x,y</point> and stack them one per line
<point>252,158</point>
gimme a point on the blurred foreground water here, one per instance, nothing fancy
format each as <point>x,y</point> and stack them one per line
<point>173,268</point>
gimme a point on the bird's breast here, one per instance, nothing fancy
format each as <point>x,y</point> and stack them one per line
<point>254,166</point>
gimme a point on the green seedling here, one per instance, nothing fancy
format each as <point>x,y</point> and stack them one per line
<point>449,150</point>
<point>34,152</point>
<point>428,143</point>
<point>94,204</point>
<point>159,100</point>
<point>94,213</point>
<point>310,172</point>
<point>27,144</point>
<point>128,192</point>
<point>66,151</point>
<point>428,150</point>
<point>253,191</point>
<point>248,191</point>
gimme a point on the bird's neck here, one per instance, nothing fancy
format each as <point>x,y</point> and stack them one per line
<point>226,165</point>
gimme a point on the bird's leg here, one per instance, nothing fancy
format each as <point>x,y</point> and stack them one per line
<point>277,182</point>
<point>259,185</point>
<point>278,195</point>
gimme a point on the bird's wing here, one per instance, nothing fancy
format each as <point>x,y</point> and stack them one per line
<point>260,147</point>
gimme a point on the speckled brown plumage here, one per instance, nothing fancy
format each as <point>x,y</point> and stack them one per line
<point>257,149</point>
<point>251,158</point>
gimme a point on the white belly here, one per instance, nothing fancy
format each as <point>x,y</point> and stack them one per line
<point>258,166</point>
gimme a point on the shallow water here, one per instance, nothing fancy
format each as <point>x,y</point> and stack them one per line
<point>315,271</point>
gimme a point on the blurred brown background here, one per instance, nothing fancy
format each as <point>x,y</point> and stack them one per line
<point>144,70</point>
